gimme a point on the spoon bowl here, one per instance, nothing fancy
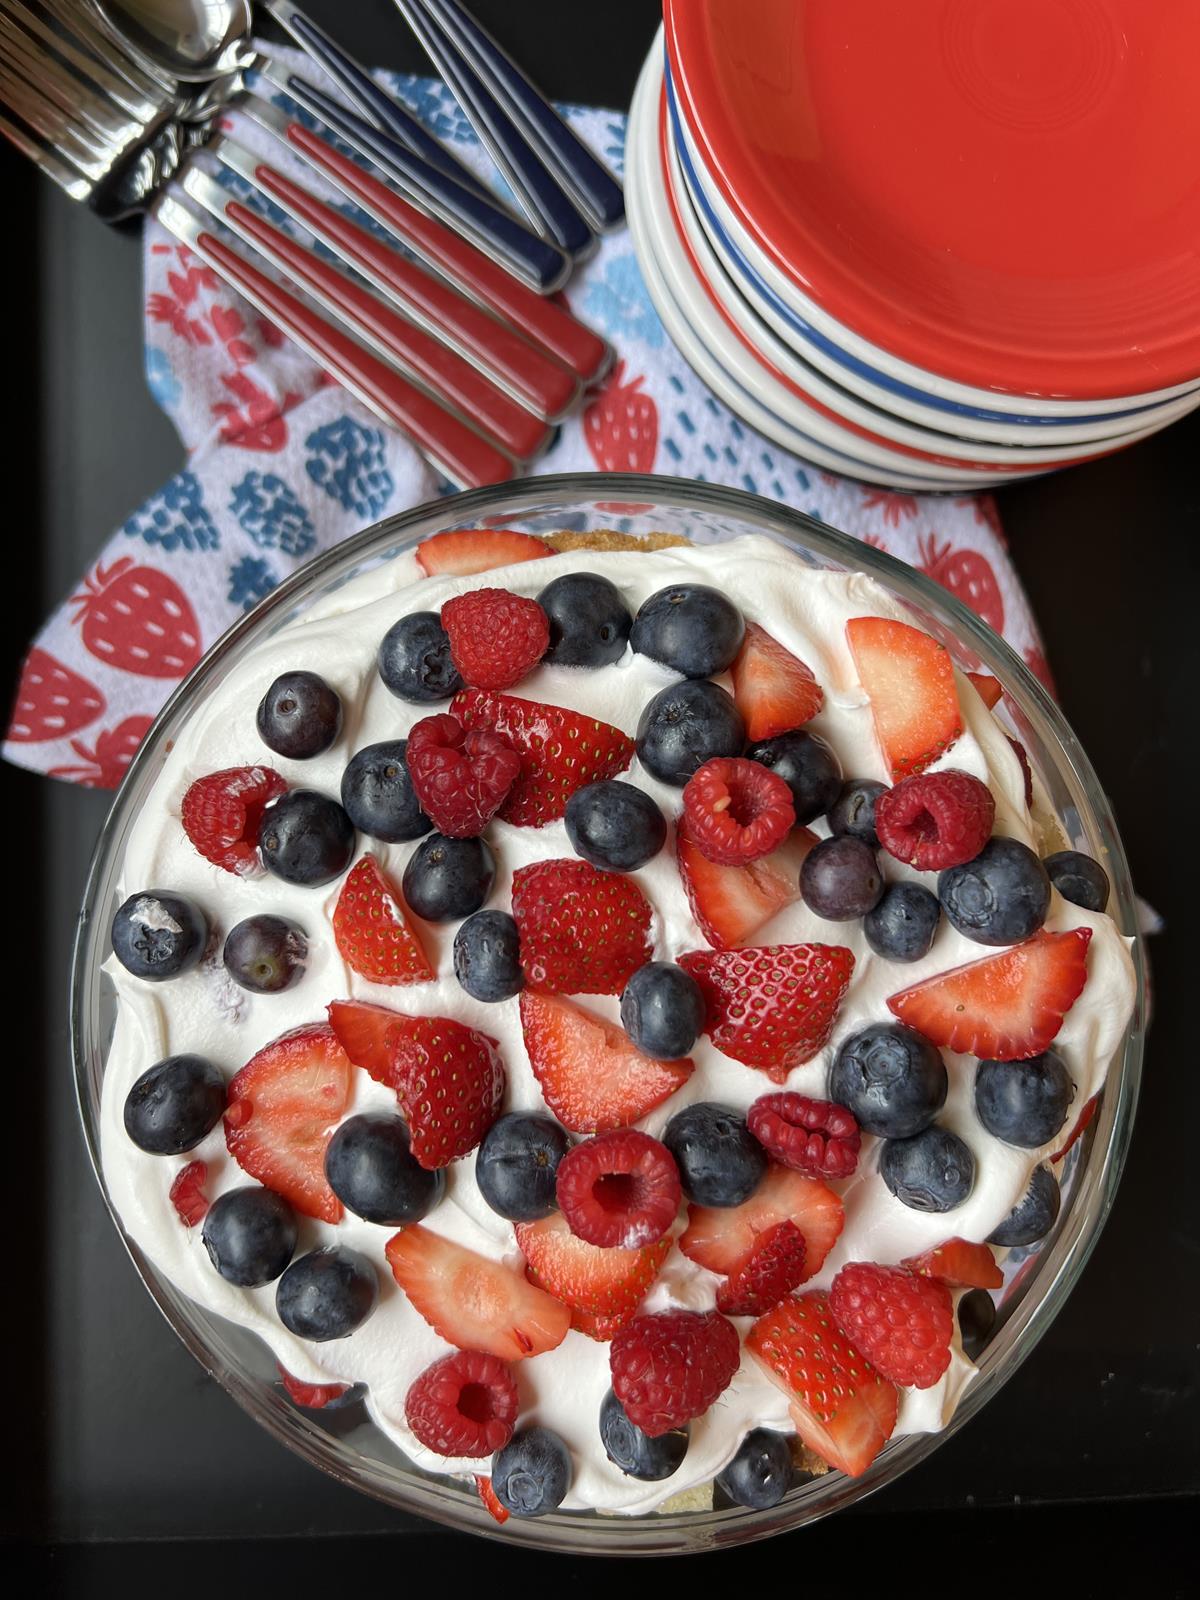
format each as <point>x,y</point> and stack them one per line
<point>190,41</point>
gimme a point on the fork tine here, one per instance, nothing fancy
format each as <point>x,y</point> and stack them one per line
<point>52,125</point>
<point>67,177</point>
<point>137,102</point>
<point>59,86</point>
<point>116,66</point>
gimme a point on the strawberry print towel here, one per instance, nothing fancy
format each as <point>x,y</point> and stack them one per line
<point>281,463</point>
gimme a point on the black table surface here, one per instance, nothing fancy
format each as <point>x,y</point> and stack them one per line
<point>126,1442</point>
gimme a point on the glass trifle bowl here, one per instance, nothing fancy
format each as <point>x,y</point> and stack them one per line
<point>347,1439</point>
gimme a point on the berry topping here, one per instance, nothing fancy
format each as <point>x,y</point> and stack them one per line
<point>517,1165</point>
<point>465,551</point>
<point>1025,1103</point>
<point>902,926</point>
<point>806,1135</point>
<point>265,954</point>
<point>761,1473</point>
<point>959,1264</point>
<point>636,1453</point>
<point>976,1319</point>
<point>1078,879</point>
<point>1026,770</point>
<point>614,825</point>
<point>731,904</point>
<point>250,1234</point>
<point>1006,1007</point>
<point>327,1294</point>
<point>1034,1214</point>
<point>1081,1125</point>
<point>174,1104</point>
<point>774,691</point>
<point>488,1495</point>
<point>487,957</point>
<point>532,1474</point>
<point>807,765</point>
<point>901,1323</point>
<point>843,1410</point>
<point>371,1168</point>
<point>582,931</point>
<point>771,1006</point>
<point>472,1302</point>
<point>669,1368</point>
<point>282,1108</point>
<point>619,1190</point>
<point>935,820</point>
<point>1001,896</point>
<point>377,794</point>
<point>496,638</point>
<point>447,879</point>
<point>363,1031</point>
<point>414,660</point>
<point>373,936</point>
<point>662,1010</point>
<point>774,1267</point>
<point>909,678</point>
<point>449,1081</point>
<point>460,779</point>
<point>892,1079</point>
<point>314,1396</point>
<point>685,725</point>
<point>931,1171</point>
<point>723,1240</point>
<point>589,622</point>
<point>690,628</point>
<point>187,1193</point>
<point>463,1405</point>
<point>736,811</point>
<point>853,811</point>
<point>299,716</point>
<point>595,1282</point>
<point>593,1077</point>
<point>306,838</point>
<point>988,690</point>
<point>560,751</point>
<point>720,1161</point>
<point>221,814</point>
<point>599,1328</point>
<point>157,935</point>
<point>840,879</point>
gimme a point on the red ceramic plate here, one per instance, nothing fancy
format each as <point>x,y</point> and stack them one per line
<point>1003,192</point>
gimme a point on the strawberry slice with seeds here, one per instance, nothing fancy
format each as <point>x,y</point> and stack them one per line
<point>473,1302</point>
<point>775,1267</point>
<point>724,1238</point>
<point>560,751</point>
<point>959,1263</point>
<point>593,1077</point>
<point>731,904</point>
<point>282,1108</point>
<point>364,1031</point>
<point>987,688</point>
<point>450,1082</point>
<point>490,1498</point>
<point>771,1006</point>
<point>221,813</point>
<point>188,1195</point>
<point>464,551</point>
<point>1006,1007</point>
<point>595,1282</point>
<point>583,931</point>
<point>373,935</point>
<point>773,689</point>
<point>842,1408</point>
<point>910,680</point>
<point>313,1396</point>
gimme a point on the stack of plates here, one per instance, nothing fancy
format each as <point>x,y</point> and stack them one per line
<point>937,246</point>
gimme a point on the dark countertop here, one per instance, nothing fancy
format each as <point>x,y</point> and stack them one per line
<point>126,1438</point>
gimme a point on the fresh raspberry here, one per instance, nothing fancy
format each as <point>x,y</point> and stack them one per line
<point>775,1267</point>
<point>221,814</point>
<point>187,1193</point>
<point>811,1136</point>
<point>737,810</point>
<point>902,1323</point>
<point>463,1405</point>
<point>618,1190</point>
<point>582,931</point>
<point>495,637</point>
<point>460,778</point>
<point>669,1368</point>
<point>935,820</point>
<point>313,1396</point>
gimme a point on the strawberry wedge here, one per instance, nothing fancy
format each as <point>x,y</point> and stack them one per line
<point>910,680</point>
<point>731,904</point>
<point>465,551</point>
<point>724,1238</point>
<point>773,689</point>
<point>602,1283</point>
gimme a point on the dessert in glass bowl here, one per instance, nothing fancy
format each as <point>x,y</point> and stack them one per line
<point>612,1011</point>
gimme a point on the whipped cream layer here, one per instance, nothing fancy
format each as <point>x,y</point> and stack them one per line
<point>205,1012</point>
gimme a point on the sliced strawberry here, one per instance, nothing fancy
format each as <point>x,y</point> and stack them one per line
<point>463,551</point>
<point>373,935</point>
<point>731,904</point>
<point>188,1195</point>
<point>1085,1116</point>
<point>988,689</point>
<point>314,1396</point>
<point>609,1283</point>
<point>490,1498</point>
<point>723,1238</point>
<point>282,1108</point>
<point>601,1329</point>
<point>582,931</point>
<point>774,690</point>
<point>593,1077</point>
<point>775,1267</point>
<point>910,680</point>
<point>959,1263</point>
<point>221,813</point>
<point>473,1302</point>
<point>560,751</point>
<point>450,1082</point>
<point>842,1408</point>
<point>1006,1007</point>
<point>363,1030</point>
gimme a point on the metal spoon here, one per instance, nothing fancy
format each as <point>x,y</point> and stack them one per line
<point>188,41</point>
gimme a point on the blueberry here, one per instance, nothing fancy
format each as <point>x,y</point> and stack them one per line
<point>1001,897</point>
<point>891,1077</point>
<point>487,956</point>
<point>265,954</point>
<point>976,1319</point>
<point>174,1104</point>
<point>306,838</point>
<point>377,794</point>
<point>250,1234</point>
<point>446,879</point>
<point>589,622</point>
<point>686,725</point>
<point>414,660</point>
<point>635,1452</point>
<point>720,1161</point>
<point>517,1165</point>
<point>157,935</point>
<point>1034,1215</point>
<point>690,628</point>
<point>853,811</point>
<point>1024,1102</point>
<point>662,1010</point>
<point>1078,879</point>
<point>299,716</point>
<point>901,927</point>
<point>532,1474</point>
<point>615,825</point>
<point>327,1294</point>
<point>371,1168</point>
<point>761,1473</point>
<point>809,768</point>
<point>840,879</point>
<point>932,1171</point>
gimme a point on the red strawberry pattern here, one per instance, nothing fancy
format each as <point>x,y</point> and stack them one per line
<point>896,508</point>
<point>106,761</point>
<point>52,701</point>
<point>138,619</point>
<point>967,574</point>
<point>621,425</point>
<point>253,420</point>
